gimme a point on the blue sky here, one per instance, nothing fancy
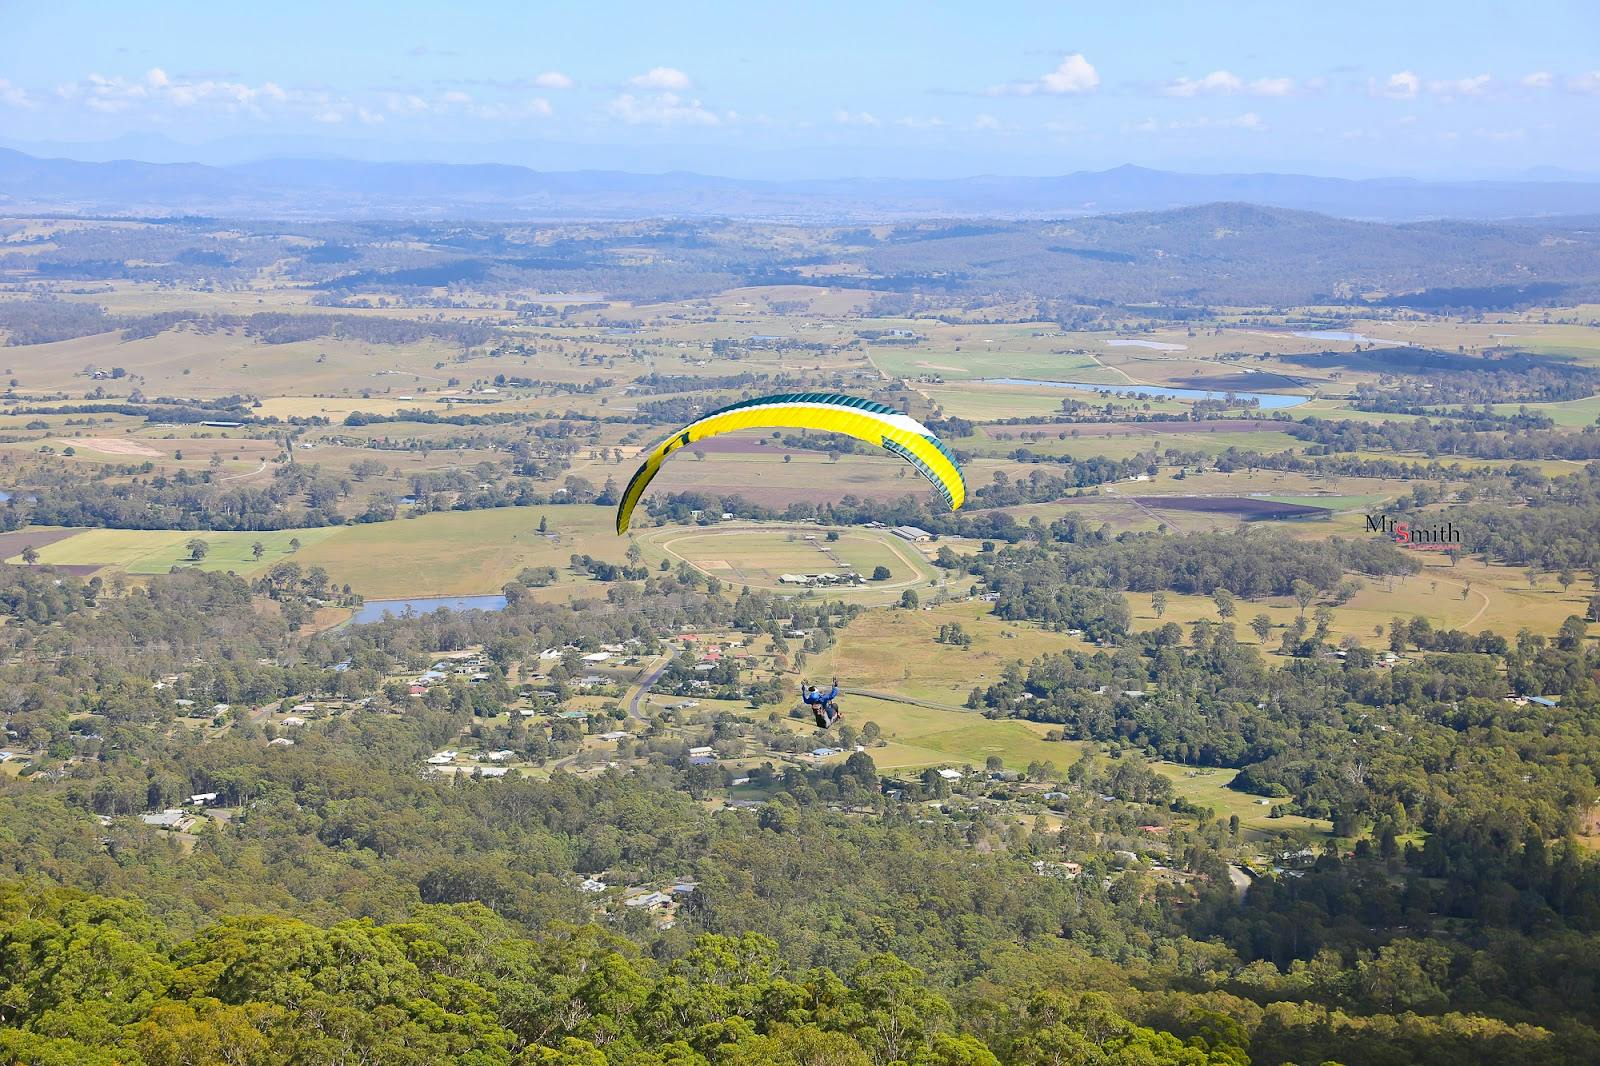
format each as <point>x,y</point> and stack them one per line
<point>822,89</point>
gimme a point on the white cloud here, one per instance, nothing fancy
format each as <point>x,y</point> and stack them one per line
<point>1585,83</point>
<point>455,98</point>
<point>534,107</point>
<point>553,79</point>
<point>1247,121</point>
<point>1539,79</point>
<point>14,95</point>
<point>667,79</point>
<point>1271,87</point>
<point>1453,87</point>
<point>917,122</point>
<point>116,94</point>
<point>1500,135</point>
<point>1074,75</point>
<point>986,122</point>
<point>407,103</point>
<point>1227,83</point>
<point>855,118</point>
<point>1403,85</point>
<point>661,109</point>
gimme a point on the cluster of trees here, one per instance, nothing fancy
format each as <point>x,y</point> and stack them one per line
<point>43,320</point>
<point>351,907</point>
<point>1449,437</point>
<point>1074,558</point>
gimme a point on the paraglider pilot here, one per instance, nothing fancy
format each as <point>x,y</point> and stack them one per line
<point>822,704</point>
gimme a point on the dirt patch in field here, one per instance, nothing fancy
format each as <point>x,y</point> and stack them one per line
<point>1244,506</point>
<point>941,366</point>
<point>112,446</point>
<point>12,544</point>
<point>1253,382</point>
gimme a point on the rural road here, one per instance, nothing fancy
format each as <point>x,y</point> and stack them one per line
<point>648,678</point>
<point>892,697</point>
<point>247,473</point>
<point>1241,881</point>
<point>1095,359</point>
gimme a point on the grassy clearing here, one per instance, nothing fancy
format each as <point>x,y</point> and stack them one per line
<point>983,403</point>
<point>929,736</point>
<point>1497,599</point>
<point>894,650</point>
<point>157,551</point>
<point>191,364</point>
<point>757,557</point>
<point>754,555</point>
<point>456,553</point>
<point>987,361</point>
<point>1208,787</point>
<point>1570,414</point>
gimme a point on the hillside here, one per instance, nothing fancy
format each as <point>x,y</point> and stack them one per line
<point>314,188</point>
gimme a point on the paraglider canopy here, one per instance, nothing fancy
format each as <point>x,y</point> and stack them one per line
<point>830,412</point>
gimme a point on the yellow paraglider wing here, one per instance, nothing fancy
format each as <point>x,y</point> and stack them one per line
<point>829,412</point>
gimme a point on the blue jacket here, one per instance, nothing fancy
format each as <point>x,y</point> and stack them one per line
<point>818,697</point>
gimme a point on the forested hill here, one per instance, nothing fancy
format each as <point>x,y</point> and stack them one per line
<point>1242,253</point>
<point>1217,254</point>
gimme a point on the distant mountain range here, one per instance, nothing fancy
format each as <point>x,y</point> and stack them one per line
<point>337,189</point>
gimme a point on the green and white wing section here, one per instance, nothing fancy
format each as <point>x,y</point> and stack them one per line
<point>827,412</point>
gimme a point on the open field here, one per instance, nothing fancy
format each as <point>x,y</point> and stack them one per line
<point>1208,787</point>
<point>156,551</point>
<point>987,361</point>
<point>453,553</point>
<point>896,651</point>
<point>982,403</point>
<point>1496,598</point>
<point>1569,414</point>
<point>929,736</point>
<point>184,362</point>
<point>442,554</point>
<point>758,556</point>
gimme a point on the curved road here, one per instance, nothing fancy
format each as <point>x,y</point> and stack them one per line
<point>651,675</point>
<point>664,537</point>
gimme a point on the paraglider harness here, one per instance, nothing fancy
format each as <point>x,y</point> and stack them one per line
<point>821,705</point>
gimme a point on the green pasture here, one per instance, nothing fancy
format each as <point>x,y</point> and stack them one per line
<point>157,551</point>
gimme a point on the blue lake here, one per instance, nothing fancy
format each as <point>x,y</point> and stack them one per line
<point>1155,346</point>
<point>1342,335</point>
<point>375,610</point>
<point>1268,401</point>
